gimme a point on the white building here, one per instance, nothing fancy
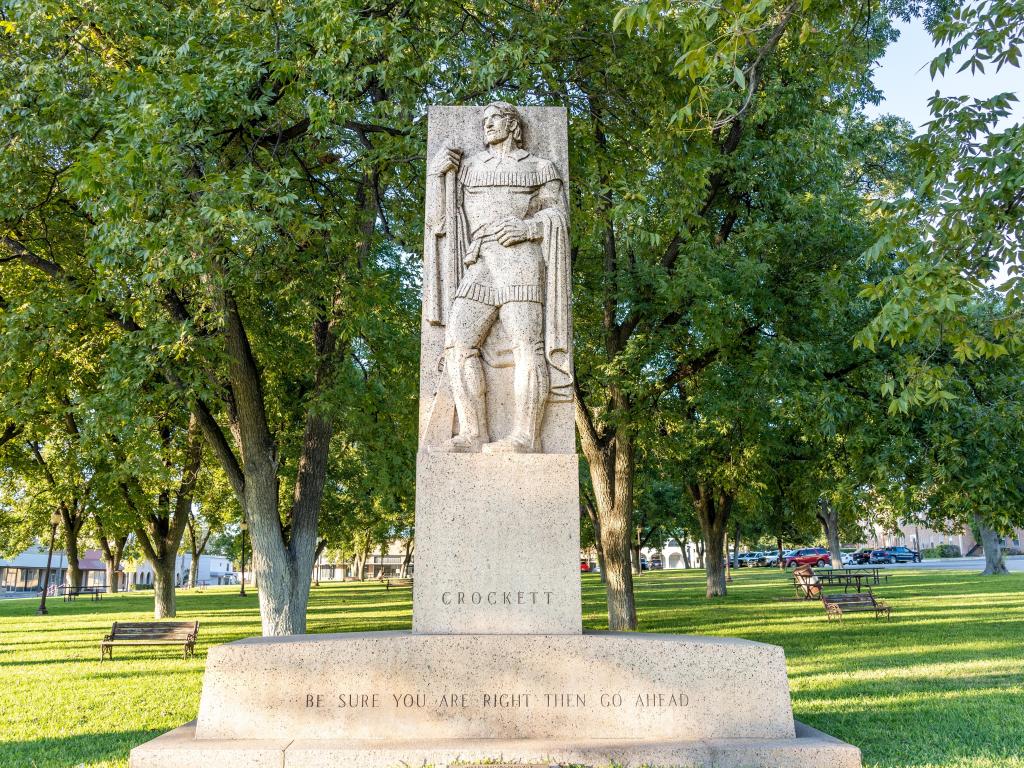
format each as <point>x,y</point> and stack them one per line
<point>26,572</point>
<point>671,554</point>
<point>213,569</point>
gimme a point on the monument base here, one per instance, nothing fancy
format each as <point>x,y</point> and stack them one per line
<point>390,699</point>
<point>180,749</point>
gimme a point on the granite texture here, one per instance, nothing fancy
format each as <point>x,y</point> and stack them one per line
<point>179,749</point>
<point>564,687</point>
<point>497,544</point>
<point>545,139</point>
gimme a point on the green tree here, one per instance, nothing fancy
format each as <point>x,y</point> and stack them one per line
<point>958,226</point>
<point>214,209</point>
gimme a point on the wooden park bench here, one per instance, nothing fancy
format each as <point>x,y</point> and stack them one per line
<point>389,583</point>
<point>838,605</point>
<point>181,633</point>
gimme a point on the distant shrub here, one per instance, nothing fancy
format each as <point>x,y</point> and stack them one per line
<point>943,550</point>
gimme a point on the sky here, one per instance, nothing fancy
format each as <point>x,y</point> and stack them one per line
<point>903,77</point>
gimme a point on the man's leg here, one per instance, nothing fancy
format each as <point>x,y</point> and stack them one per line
<point>524,321</point>
<point>468,324</point>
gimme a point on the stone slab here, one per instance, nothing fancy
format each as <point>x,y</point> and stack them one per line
<point>546,135</point>
<point>180,749</point>
<point>497,544</point>
<point>405,687</point>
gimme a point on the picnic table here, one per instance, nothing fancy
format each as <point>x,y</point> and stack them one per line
<point>95,593</point>
<point>851,577</point>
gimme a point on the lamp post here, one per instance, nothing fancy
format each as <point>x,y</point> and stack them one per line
<point>54,522</point>
<point>244,527</point>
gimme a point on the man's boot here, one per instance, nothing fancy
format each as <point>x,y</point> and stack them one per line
<point>531,386</point>
<point>469,389</point>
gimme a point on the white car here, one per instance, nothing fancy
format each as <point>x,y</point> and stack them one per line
<point>847,558</point>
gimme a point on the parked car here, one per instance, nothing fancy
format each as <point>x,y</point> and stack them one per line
<point>894,555</point>
<point>811,556</point>
<point>862,556</point>
<point>847,558</point>
<point>772,558</point>
<point>584,566</point>
<point>747,559</point>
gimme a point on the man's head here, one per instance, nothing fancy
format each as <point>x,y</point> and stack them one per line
<point>501,120</point>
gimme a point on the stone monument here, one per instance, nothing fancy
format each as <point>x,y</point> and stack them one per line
<point>497,667</point>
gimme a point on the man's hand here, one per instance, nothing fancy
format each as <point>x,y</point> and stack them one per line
<point>512,231</point>
<point>448,159</point>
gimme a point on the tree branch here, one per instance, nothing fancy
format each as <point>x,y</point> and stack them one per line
<point>10,432</point>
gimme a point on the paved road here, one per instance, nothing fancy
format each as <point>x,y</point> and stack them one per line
<point>1013,564</point>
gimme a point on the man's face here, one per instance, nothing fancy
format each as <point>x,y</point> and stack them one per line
<point>496,127</point>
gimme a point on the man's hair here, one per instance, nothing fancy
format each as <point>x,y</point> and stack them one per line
<point>507,110</point>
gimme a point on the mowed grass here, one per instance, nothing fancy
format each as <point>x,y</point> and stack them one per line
<point>941,686</point>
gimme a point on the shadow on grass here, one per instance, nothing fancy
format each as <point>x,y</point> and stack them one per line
<point>85,748</point>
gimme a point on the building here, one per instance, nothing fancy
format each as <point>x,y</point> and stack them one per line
<point>672,554</point>
<point>379,565</point>
<point>213,570</point>
<point>26,571</point>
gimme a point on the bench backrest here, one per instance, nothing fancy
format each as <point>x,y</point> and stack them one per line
<point>153,630</point>
<point>862,598</point>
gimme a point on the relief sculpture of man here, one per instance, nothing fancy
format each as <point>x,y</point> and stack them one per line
<point>500,253</point>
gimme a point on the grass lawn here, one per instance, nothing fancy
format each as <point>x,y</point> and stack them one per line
<point>942,686</point>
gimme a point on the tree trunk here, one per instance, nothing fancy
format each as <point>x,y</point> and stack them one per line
<point>403,572</point>
<point>111,571</point>
<point>197,540</point>
<point>995,563</point>
<point>74,577</point>
<point>611,474</point>
<point>828,516</point>
<point>283,584</point>
<point>728,559</point>
<point>161,530</point>
<point>164,595</point>
<point>701,550</point>
<point>684,545</point>
<point>778,545</point>
<point>360,564</point>
<point>320,547</point>
<point>595,521</point>
<point>112,551</point>
<point>736,545</point>
<point>713,507</point>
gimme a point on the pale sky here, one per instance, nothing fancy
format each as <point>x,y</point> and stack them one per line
<point>903,77</point>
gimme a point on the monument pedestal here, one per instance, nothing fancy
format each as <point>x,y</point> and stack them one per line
<point>497,544</point>
<point>390,699</point>
<point>497,668</point>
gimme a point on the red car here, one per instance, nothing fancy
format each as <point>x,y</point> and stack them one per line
<point>584,566</point>
<point>812,556</point>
